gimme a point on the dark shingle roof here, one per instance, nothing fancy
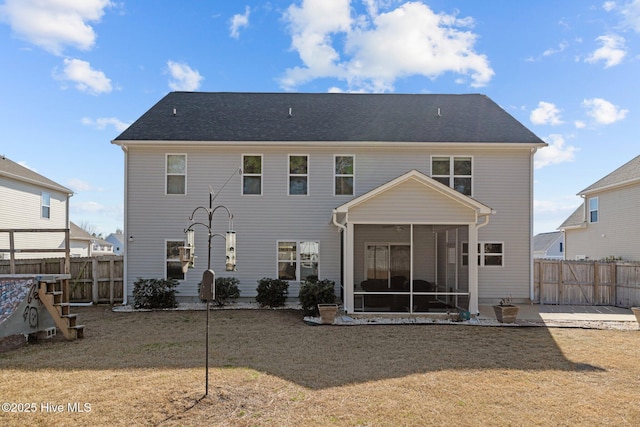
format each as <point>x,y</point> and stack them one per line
<point>203,116</point>
<point>542,241</point>
<point>629,172</point>
<point>13,170</point>
<point>576,219</point>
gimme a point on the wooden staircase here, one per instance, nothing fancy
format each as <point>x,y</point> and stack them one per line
<point>53,292</point>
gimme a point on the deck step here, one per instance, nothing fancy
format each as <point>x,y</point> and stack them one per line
<point>79,330</point>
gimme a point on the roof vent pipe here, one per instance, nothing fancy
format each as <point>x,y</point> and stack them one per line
<point>439,115</point>
<point>290,112</point>
<point>175,111</point>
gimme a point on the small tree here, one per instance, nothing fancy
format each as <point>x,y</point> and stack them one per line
<point>272,292</point>
<point>314,292</point>
<point>154,293</point>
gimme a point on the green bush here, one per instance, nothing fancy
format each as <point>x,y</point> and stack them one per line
<point>226,290</point>
<point>154,293</point>
<point>314,292</point>
<point>272,292</point>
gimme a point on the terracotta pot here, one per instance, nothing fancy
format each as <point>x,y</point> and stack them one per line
<point>328,313</point>
<point>506,313</point>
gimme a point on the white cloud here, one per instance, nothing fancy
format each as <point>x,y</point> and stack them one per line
<point>102,122</point>
<point>609,5</point>
<point>546,114</point>
<point>54,24</point>
<point>631,15</point>
<point>239,21</point>
<point>86,79</point>
<point>612,51</point>
<point>603,111</point>
<point>579,124</point>
<point>556,152</point>
<point>370,52</point>
<point>88,207</point>
<point>552,51</point>
<point>77,185</point>
<point>183,77</point>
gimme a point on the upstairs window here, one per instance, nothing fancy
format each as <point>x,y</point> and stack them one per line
<point>298,175</point>
<point>343,173</point>
<point>252,174</point>
<point>176,173</point>
<point>45,205</point>
<point>593,209</point>
<point>454,172</point>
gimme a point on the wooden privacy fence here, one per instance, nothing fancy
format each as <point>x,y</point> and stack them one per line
<point>93,279</point>
<point>586,283</point>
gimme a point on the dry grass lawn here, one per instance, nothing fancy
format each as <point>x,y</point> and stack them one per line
<point>267,368</point>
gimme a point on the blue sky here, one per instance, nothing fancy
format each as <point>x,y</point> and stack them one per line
<point>75,73</point>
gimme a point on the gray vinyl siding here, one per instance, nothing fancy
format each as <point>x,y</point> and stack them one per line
<point>500,180</point>
<point>22,206</point>
<point>617,232</point>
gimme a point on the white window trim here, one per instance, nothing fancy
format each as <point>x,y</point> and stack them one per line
<point>481,254</point>
<point>388,245</point>
<point>451,175</point>
<point>167,174</point>
<point>289,174</point>
<point>298,259</point>
<point>166,259</point>
<point>261,174</point>
<point>336,175</point>
<point>596,210</point>
<point>43,205</point>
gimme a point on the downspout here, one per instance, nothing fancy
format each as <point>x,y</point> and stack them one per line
<point>343,231</point>
<point>125,292</point>
<point>476,311</point>
<point>531,274</point>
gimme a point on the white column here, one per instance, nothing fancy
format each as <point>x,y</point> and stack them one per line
<point>348,265</point>
<point>473,269</point>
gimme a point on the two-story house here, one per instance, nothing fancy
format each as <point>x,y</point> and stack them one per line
<point>30,201</point>
<point>411,203</point>
<point>83,244</point>
<point>605,224</point>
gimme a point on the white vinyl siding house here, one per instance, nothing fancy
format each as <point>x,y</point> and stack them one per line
<point>605,225</point>
<point>31,201</point>
<point>329,197</point>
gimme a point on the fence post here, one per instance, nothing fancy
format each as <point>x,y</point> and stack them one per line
<point>94,277</point>
<point>112,274</point>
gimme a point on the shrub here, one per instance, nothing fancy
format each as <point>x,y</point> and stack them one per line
<point>154,293</point>
<point>272,292</point>
<point>314,292</point>
<point>226,290</point>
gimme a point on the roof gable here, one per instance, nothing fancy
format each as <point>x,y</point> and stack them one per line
<point>298,117</point>
<point>425,181</point>
<point>13,170</point>
<point>543,241</point>
<point>625,174</point>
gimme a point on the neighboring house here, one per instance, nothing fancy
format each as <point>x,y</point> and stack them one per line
<point>29,201</point>
<point>117,240</point>
<point>549,245</point>
<point>607,224</point>
<point>411,203</point>
<point>84,244</point>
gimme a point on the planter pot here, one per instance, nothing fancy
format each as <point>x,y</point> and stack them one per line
<point>636,311</point>
<point>506,313</point>
<point>328,313</point>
